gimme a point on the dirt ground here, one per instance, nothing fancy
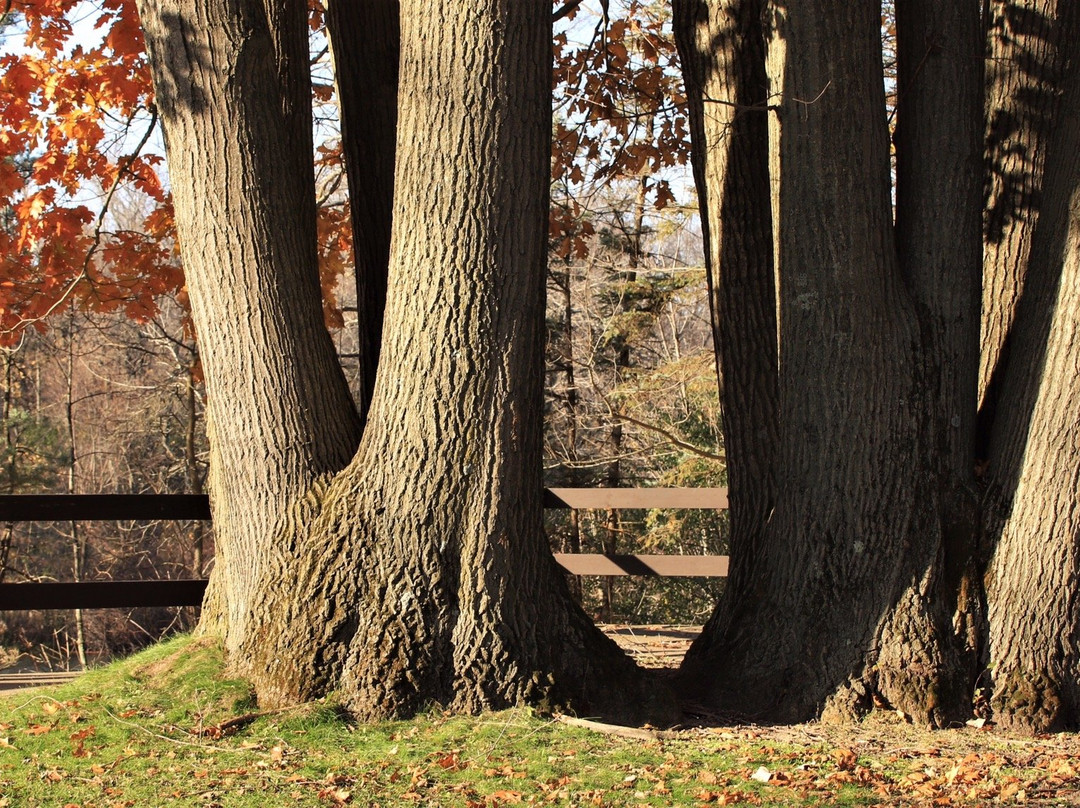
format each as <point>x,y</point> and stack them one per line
<point>653,646</point>
<point>969,764</point>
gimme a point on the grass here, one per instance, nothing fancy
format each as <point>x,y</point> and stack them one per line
<point>167,728</point>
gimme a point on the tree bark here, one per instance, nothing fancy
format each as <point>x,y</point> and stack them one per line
<point>1032,582</point>
<point>232,86</point>
<point>722,49</point>
<point>365,39</point>
<point>1024,67</point>
<point>420,572</point>
<point>939,188</point>
<point>844,593</point>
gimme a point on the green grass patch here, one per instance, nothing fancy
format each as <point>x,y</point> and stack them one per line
<point>168,728</point>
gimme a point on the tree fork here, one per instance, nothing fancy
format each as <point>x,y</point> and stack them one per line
<point>232,85</point>
<point>365,40</point>
<point>420,573</point>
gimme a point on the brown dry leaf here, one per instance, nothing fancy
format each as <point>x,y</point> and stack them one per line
<point>37,729</point>
<point>506,797</point>
<point>844,759</point>
<point>731,798</point>
<point>339,795</point>
<point>450,760</point>
<point>51,707</point>
<point>1060,767</point>
<point>708,778</point>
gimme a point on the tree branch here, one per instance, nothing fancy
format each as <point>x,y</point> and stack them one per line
<point>568,9</point>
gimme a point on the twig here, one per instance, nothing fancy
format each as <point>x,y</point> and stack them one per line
<point>223,727</point>
<point>161,737</point>
<point>674,439</point>
<point>566,10</point>
<point>636,733</point>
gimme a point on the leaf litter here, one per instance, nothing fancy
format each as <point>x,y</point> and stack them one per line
<point>113,739</point>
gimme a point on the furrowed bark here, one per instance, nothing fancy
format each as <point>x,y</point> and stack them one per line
<point>939,189</point>
<point>423,573</point>
<point>1023,72</point>
<point>233,89</point>
<point>1032,582</point>
<point>843,593</point>
<point>722,49</point>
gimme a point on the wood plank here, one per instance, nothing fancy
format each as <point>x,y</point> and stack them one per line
<point>132,594</point>
<point>112,507</point>
<point>101,594</point>
<point>136,507</point>
<point>15,681</point>
<point>578,498</point>
<point>672,566</point>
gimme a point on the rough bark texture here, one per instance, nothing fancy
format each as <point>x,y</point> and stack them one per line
<point>421,572</point>
<point>365,39</point>
<point>1023,73</point>
<point>1033,588</point>
<point>939,158</point>
<point>233,90</point>
<point>722,49</point>
<point>844,594</point>
<point>939,206</point>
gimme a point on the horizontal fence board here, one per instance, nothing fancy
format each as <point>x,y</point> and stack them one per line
<point>131,594</point>
<point>579,498</point>
<point>672,566</point>
<point>106,507</point>
<point>13,681</point>
<point>101,594</point>
<point>140,507</point>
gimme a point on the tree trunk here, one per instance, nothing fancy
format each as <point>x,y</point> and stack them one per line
<point>843,595</point>
<point>193,479</point>
<point>1032,583</point>
<point>420,572</point>
<point>722,48</point>
<point>1024,67</point>
<point>78,538</point>
<point>939,189</point>
<point>11,457</point>
<point>572,542</point>
<point>232,86</point>
<point>365,40</point>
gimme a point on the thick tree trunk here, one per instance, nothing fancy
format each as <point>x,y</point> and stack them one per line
<point>722,49</point>
<point>1024,67</point>
<point>844,593</point>
<point>365,39</point>
<point>1033,583</point>
<point>421,572</point>
<point>939,159</point>
<point>233,89</point>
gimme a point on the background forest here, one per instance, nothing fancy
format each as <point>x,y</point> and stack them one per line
<point>102,390</point>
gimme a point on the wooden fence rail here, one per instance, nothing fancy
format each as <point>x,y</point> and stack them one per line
<point>144,507</point>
